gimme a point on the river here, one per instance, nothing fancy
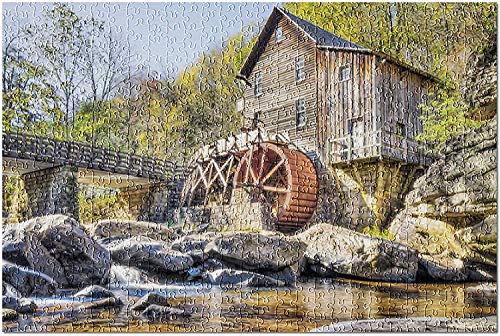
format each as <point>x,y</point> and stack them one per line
<point>313,303</point>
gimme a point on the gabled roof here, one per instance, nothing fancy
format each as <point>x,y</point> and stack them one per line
<point>322,38</point>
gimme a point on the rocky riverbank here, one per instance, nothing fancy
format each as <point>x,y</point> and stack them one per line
<point>47,255</point>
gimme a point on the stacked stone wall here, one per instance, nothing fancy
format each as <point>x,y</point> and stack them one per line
<point>52,191</point>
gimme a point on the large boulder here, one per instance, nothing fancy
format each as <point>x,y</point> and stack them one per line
<point>21,281</point>
<point>123,229</point>
<point>257,251</point>
<point>59,247</point>
<point>150,255</point>
<point>333,250</point>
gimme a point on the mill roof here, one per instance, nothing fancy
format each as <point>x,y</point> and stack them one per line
<point>323,39</point>
<point>319,35</point>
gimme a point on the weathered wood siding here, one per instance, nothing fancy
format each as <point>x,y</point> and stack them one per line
<point>280,90</point>
<point>358,118</point>
<point>399,94</point>
<point>346,104</point>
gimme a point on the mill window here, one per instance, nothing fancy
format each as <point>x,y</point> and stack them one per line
<point>345,73</point>
<point>279,34</point>
<point>300,107</point>
<point>300,73</point>
<point>257,82</point>
<point>401,129</point>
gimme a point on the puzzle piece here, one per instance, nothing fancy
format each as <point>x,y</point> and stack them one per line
<point>245,167</point>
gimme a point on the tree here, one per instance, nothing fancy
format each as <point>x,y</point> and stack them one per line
<point>83,61</point>
<point>28,100</point>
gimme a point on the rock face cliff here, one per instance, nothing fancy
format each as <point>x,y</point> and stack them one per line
<point>450,216</point>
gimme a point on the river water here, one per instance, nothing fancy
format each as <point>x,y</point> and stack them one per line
<point>312,304</point>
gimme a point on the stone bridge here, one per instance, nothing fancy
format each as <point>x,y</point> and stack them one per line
<point>52,171</point>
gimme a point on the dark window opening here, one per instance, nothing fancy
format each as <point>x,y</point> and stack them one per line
<point>300,107</point>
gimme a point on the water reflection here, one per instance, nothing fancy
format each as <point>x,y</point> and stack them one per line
<point>312,304</point>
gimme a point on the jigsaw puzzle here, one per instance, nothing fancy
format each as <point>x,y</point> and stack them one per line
<point>249,167</point>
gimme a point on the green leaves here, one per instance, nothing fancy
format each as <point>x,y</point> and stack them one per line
<point>444,116</point>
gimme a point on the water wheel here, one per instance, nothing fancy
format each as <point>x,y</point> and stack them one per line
<point>283,178</point>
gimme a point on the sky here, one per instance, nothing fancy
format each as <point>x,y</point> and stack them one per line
<point>165,37</point>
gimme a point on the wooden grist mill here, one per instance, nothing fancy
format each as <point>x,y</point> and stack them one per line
<point>266,169</point>
<point>337,136</point>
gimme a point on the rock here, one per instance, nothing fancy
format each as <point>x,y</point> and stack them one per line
<point>95,292</point>
<point>162,314</point>
<point>336,250</point>
<point>287,276</point>
<point>207,266</point>
<point>28,282</point>
<point>9,314</point>
<point>446,253</point>
<point>123,229</point>
<point>148,254</point>
<point>232,277</point>
<point>490,288</point>
<point>415,324</point>
<point>9,290</point>
<point>450,215</point>
<point>20,305</point>
<point>59,247</point>
<point>150,299</point>
<point>193,242</point>
<point>479,88</point>
<point>194,245</point>
<point>257,251</point>
<point>110,302</point>
<point>123,276</point>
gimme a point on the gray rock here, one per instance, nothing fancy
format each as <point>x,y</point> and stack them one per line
<point>28,282</point>
<point>150,299</point>
<point>110,302</point>
<point>446,253</point>
<point>123,229</point>
<point>287,276</point>
<point>194,245</point>
<point>148,254</point>
<point>9,290</point>
<point>232,277</point>
<point>9,314</point>
<point>163,314</point>
<point>207,266</point>
<point>59,247</point>
<point>256,251</point>
<point>20,305</point>
<point>415,324</point>
<point>341,251</point>
<point>95,292</point>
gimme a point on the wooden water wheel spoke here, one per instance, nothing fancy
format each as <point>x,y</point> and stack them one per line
<point>273,170</point>
<point>248,160</point>
<point>275,189</point>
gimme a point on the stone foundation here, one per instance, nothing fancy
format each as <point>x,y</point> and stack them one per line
<point>363,194</point>
<point>150,203</point>
<point>52,191</point>
<point>242,214</point>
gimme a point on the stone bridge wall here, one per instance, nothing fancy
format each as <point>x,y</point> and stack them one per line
<point>52,191</point>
